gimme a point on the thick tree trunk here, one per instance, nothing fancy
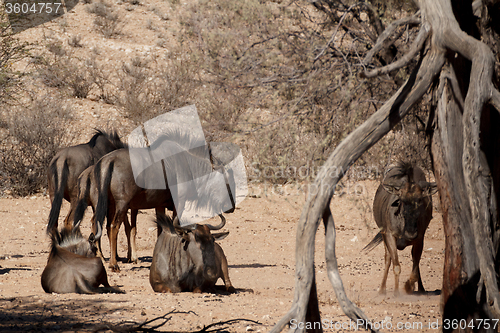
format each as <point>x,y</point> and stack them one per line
<point>461,259</point>
<point>463,156</point>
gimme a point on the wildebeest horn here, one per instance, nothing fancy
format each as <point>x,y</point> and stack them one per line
<point>98,233</point>
<point>220,226</point>
<point>178,226</point>
<point>77,225</point>
<point>392,189</point>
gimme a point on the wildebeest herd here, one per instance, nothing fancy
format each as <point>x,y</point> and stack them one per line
<point>187,258</point>
<point>98,173</point>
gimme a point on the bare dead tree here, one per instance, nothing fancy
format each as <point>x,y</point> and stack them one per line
<point>464,116</point>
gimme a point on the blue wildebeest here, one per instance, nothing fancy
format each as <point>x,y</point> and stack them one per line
<point>402,209</point>
<point>118,192</point>
<point>66,166</point>
<point>188,258</point>
<point>88,196</point>
<point>72,266</point>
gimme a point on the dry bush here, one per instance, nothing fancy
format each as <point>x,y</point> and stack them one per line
<point>75,41</point>
<point>65,71</point>
<point>298,71</point>
<point>150,87</point>
<point>12,50</point>
<point>107,21</point>
<point>31,137</point>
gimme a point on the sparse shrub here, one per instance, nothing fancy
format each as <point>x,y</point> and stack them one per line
<point>150,87</point>
<point>107,21</point>
<point>12,50</point>
<point>80,76</point>
<point>33,134</point>
<point>161,42</point>
<point>67,72</point>
<point>98,8</point>
<point>150,25</point>
<point>75,41</point>
<point>80,82</point>
<point>283,77</point>
<point>56,48</point>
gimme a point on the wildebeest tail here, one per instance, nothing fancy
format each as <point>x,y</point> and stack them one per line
<point>102,200</point>
<point>60,177</point>
<point>373,244</point>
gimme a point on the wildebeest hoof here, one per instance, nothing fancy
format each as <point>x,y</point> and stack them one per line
<point>231,289</point>
<point>114,268</point>
<point>197,290</point>
<point>131,261</point>
<point>409,287</point>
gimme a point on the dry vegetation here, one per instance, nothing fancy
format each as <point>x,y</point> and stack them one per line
<point>278,78</point>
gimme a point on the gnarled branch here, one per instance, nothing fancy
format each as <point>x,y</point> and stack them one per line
<point>416,46</point>
<point>388,32</point>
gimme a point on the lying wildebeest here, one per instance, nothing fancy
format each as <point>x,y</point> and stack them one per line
<point>118,191</point>
<point>72,266</point>
<point>67,165</point>
<point>187,258</point>
<point>402,209</point>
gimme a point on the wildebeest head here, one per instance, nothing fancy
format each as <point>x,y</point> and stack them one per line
<point>74,242</point>
<point>199,242</point>
<point>408,204</point>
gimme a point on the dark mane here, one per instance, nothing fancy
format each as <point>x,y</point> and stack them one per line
<point>71,240</point>
<point>97,134</point>
<point>112,137</point>
<point>399,171</point>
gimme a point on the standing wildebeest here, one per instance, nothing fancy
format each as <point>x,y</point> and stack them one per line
<point>88,196</point>
<point>187,258</point>
<point>118,191</point>
<point>67,165</point>
<point>402,209</point>
<point>72,266</point>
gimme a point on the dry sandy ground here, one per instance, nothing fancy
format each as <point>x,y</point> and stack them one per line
<point>260,250</point>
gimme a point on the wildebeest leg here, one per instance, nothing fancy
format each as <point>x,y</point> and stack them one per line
<point>82,286</point>
<point>387,262</point>
<point>392,251</point>
<point>68,221</point>
<point>225,271</point>
<point>131,231</point>
<point>416,254</point>
<point>110,216</point>
<point>396,267</point>
<point>121,215</point>
<point>159,212</point>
